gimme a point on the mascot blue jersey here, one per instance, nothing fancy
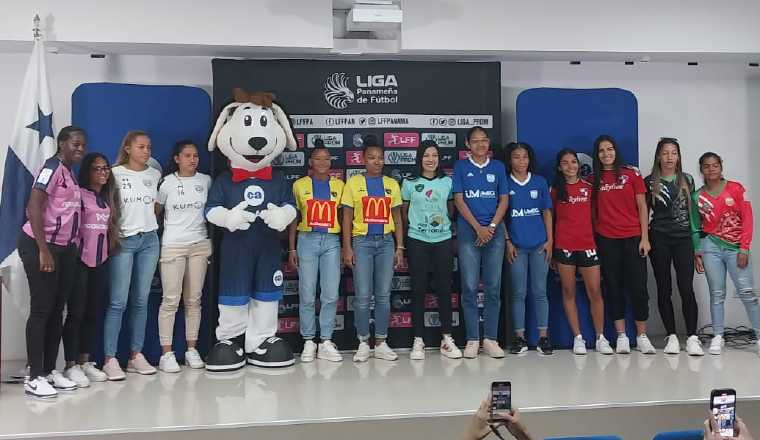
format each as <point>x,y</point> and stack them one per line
<point>251,260</point>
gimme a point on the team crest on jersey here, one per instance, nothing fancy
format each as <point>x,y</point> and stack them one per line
<point>148,183</point>
<point>387,191</point>
<point>584,192</point>
<point>491,178</point>
<point>729,201</point>
<point>277,278</point>
<point>534,194</point>
<point>419,187</point>
<point>254,195</point>
<point>622,179</point>
<point>199,188</point>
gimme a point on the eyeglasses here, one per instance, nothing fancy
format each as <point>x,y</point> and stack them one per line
<point>105,169</point>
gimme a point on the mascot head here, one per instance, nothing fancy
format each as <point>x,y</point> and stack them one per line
<point>252,131</point>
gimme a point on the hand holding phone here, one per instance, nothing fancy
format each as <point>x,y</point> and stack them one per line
<point>501,399</point>
<point>723,411</point>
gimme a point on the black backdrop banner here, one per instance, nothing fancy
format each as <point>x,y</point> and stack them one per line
<point>401,103</point>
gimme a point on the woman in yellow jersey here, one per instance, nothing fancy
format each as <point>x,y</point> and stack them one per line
<point>371,218</point>
<point>317,254</point>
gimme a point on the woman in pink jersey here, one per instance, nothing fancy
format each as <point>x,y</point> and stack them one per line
<point>575,248</point>
<point>98,237</point>
<point>47,247</point>
<point>721,221</point>
<point>622,238</point>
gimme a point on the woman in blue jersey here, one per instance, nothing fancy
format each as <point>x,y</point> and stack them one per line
<point>529,243</point>
<point>427,206</point>
<point>480,195</point>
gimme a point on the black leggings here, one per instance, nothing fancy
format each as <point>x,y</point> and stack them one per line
<point>424,258</point>
<point>624,269</point>
<point>83,308</point>
<point>679,252</point>
<point>48,292</point>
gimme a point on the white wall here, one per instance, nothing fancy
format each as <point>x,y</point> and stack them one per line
<point>260,23</point>
<point>706,107</point>
<point>581,26</point>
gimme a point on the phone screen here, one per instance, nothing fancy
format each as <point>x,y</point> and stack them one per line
<point>501,398</point>
<point>723,407</point>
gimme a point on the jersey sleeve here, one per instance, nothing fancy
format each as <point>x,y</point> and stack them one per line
<point>450,195</point>
<point>547,197</point>
<point>638,184</point>
<point>286,194</point>
<point>457,179</point>
<point>163,192</point>
<point>47,177</point>
<point>405,192</point>
<point>347,198</point>
<point>746,214</point>
<point>695,222</point>
<point>503,183</point>
<point>395,193</point>
<point>215,195</point>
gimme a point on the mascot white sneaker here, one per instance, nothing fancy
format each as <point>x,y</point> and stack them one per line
<point>253,203</point>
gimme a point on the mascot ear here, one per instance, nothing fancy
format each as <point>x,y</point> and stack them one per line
<point>284,121</point>
<point>224,116</point>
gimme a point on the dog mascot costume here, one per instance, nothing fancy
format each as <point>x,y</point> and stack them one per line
<point>253,203</point>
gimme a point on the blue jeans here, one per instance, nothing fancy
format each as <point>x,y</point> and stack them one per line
<point>529,262</point>
<point>471,257</point>
<point>717,262</point>
<point>131,272</point>
<point>373,273</point>
<point>318,255</point>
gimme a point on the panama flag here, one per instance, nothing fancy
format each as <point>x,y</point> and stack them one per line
<point>31,144</point>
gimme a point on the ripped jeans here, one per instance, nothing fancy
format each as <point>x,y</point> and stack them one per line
<point>717,262</point>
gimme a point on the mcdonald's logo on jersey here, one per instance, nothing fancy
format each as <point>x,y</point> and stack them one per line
<point>376,209</point>
<point>320,213</point>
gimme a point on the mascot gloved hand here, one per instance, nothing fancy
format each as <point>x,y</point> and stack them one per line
<point>253,203</point>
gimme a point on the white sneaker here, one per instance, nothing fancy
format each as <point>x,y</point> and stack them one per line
<point>492,348</point>
<point>76,375</point>
<point>193,359</point>
<point>672,346</point>
<point>623,344</point>
<point>449,348</point>
<point>309,352</point>
<point>694,346</point>
<point>579,345</point>
<point>113,370</point>
<point>716,344</point>
<point>329,352</point>
<point>362,353</point>
<point>418,350</point>
<point>644,345</point>
<point>61,382</point>
<point>168,363</point>
<point>40,388</point>
<point>383,351</point>
<point>603,345</point>
<point>93,373</point>
<point>140,365</point>
<point>471,349</point>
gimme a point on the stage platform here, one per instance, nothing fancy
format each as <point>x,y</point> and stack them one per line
<point>632,394</point>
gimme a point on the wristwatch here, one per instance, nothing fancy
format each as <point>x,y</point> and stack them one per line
<point>492,226</point>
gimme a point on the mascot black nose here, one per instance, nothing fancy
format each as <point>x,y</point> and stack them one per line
<point>257,143</point>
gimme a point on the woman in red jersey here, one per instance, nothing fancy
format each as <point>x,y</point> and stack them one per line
<point>622,238</point>
<point>575,247</point>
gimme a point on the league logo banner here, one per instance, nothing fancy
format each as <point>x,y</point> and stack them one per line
<point>330,140</point>
<point>287,325</point>
<point>444,140</point>
<point>400,157</point>
<point>400,320</point>
<point>290,159</point>
<point>354,157</point>
<point>401,140</point>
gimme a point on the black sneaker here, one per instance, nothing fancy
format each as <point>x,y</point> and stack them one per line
<point>544,346</point>
<point>225,356</point>
<point>272,353</point>
<point>519,345</point>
